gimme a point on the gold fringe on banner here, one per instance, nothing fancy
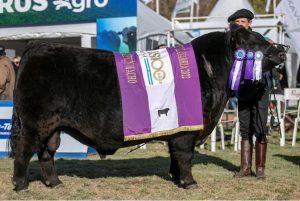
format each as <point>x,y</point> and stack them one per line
<point>163,133</point>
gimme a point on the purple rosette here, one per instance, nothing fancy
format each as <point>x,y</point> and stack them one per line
<point>249,65</point>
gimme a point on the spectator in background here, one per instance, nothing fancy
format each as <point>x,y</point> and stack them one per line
<point>7,76</point>
<point>16,62</point>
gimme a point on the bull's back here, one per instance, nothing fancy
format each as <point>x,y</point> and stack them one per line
<point>76,86</point>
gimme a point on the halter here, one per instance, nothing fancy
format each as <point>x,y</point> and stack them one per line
<point>284,48</point>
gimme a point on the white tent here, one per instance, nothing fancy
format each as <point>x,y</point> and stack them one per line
<point>291,10</point>
<point>227,7</point>
<point>154,27</point>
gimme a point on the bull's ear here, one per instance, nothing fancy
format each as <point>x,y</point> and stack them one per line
<point>233,26</point>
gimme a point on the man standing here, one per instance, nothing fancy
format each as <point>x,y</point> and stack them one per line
<point>253,99</point>
<point>7,76</point>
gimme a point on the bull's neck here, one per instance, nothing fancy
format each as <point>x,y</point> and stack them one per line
<point>214,50</point>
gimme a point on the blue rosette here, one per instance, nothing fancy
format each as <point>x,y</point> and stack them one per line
<point>240,54</point>
<point>249,65</point>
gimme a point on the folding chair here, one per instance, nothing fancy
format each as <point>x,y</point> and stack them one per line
<point>235,133</point>
<point>214,136</point>
<point>293,94</point>
<point>279,115</point>
<point>297,119</point>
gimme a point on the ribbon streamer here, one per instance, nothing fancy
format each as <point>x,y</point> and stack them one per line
<point>249,65</point>
<point>236,69</point>
<point>257,69</point>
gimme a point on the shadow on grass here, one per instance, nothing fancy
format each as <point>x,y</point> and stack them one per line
<point>92,169</point>
<point>293,159</point>
<point>206,159</point>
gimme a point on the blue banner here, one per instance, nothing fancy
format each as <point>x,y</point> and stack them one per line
<point>5,127</point>
<point>39,12</point>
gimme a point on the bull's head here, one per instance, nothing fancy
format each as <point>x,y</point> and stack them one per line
<point>273,54</point>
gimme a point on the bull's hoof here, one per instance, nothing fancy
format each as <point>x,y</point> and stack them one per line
<point>20,186</point>
<point>191,185</point>
<point>59,186</point>
<point>21,189</point>
<point>54,184</point>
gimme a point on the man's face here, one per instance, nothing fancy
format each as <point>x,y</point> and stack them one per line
<point>245,22</point>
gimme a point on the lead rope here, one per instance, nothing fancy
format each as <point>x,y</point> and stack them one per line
<point>137,147</point>
<point>272,115</point>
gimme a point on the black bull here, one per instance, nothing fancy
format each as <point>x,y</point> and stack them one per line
<point>76,90</point>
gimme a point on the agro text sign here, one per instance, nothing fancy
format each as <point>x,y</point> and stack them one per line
<point>38,12</point>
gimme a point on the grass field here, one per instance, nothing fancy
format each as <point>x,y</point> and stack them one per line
<point>142,174</point>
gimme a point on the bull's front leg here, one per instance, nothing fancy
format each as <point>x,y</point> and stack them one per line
<point>182,153</point>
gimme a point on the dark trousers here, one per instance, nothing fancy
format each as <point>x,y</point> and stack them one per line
<point>253,112</point>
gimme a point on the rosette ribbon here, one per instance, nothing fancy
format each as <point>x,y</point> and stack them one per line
<point>249,65</point>
<point>257,69</point>
<point>236,69</point>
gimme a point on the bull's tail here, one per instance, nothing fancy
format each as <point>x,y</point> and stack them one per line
<point>15,132</point>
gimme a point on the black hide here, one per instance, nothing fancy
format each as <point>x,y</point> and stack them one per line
<point>74,89</point>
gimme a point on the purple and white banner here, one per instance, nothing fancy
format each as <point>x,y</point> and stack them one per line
<point>161,93</point>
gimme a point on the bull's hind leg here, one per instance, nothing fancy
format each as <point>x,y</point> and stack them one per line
<point>23,151</point>
<point>46,159</point>
<point>182,153</point>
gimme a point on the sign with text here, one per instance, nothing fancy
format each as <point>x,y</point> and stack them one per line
<point>6,108</point>
<point>39,12</point>
<point>5,118</point>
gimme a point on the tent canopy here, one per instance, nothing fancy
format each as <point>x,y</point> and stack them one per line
<point>150,24</point>
<point>226,7</point>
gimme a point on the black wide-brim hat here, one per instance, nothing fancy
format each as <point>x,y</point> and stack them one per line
<point>242,13</point>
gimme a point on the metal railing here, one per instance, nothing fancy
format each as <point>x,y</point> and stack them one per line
<point>193,24</point>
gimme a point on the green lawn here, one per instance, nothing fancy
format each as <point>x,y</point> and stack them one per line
<point>142,174</point>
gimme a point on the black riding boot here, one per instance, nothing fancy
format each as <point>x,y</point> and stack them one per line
<point>260,159</point>
<point>246,158</point>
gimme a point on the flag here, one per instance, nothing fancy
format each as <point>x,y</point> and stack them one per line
<point>291,9</point>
